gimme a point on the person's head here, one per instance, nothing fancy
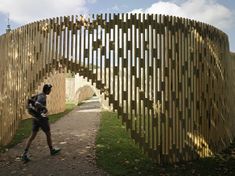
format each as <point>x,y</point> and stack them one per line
<point>47,88</point>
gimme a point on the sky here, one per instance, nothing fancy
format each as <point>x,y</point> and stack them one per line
<point>219,13</point>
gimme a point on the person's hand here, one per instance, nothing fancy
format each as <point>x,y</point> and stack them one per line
<point>44,115</point>
<point>44,110</point>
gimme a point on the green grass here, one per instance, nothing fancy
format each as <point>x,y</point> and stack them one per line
<point>118,155</point>
<point>25,127</point>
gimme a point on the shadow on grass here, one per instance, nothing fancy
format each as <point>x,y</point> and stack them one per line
<point>118,155</point>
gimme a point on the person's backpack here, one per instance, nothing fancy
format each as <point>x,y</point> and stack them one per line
<point>30,106</point>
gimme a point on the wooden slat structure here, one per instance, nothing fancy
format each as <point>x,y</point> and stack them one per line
<point>167,77</point>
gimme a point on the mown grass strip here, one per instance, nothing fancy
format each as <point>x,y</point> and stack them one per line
<point>118,155</point>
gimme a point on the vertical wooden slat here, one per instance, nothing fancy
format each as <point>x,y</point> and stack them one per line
<point>32,58</point>
<point>43,53</point>
<point>180,118</point>
<point>156,77</point>
<point>160,85</point>
<point>50,43</point>
<point>171,85</point>
<point>93,49</point>
<point>130,66</point>
<point>57,40</point>
<point>199,73</point>
<point>71,48</point>
<point>105,55</point>
<point>61,33</point>
<point>112,59</point>
<point>152,90</point>
<point>164,85</point>
<point>1,87</point>
<point>194,91</point>
<point>138,72</point>
<point>125,68</point>
<point>143,81</point>
<point>96,49</point>
<point>68,39</point>
<point>13,100</point>
<point>115,63</point>
<point>169,88</point>
<point>135,68</point>
<point>166,90</point>
<point>100,50</point>
<point>147,79</point>
<point>185,90</point>
<point>64,40</point>
<point>191,87</point>
<point>84,49</point>
<point>79,23</point>
<point>47,47</point>
<point>89,42</point>
<point>37,52</point>
<point>47,55</point>
<point>176,53</point>
<point>53,61</point>
<point>119,63</point>
<point>76,44</point>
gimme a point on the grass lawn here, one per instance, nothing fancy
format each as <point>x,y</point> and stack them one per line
<point>25,127</point>
<point>118,155</point>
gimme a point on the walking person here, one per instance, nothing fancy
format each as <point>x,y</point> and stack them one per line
<point>40,120</point>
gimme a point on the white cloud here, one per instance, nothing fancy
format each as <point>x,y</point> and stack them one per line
<point>114,9</point>
<point>24,11</point>
<point>92,1</point>
<point>208,11</point>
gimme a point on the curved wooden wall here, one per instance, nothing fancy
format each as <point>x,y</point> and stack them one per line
<point>165,76</point>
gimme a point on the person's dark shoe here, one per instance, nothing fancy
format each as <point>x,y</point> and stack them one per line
<point>55,151</point>
<point>25,158</point>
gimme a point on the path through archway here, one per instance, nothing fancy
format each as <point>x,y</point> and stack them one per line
<point>74,133</point>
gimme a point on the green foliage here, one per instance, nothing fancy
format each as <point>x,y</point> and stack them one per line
<point>118,155</point>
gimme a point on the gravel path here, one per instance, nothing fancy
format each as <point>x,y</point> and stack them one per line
<point>74,133</point>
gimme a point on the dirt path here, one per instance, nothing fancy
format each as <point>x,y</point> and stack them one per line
<point>74,133</point>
